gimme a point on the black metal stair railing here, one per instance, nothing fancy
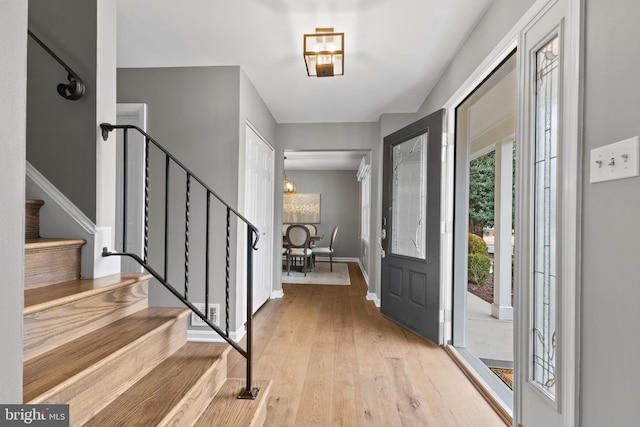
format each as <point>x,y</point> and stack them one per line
<point>72,90</point>
<point>252,238</point>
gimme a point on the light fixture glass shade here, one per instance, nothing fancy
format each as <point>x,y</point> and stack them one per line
<point>324,53</point>
<point>289,185</point>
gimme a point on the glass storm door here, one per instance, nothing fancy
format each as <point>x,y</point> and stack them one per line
<point>410,283</point>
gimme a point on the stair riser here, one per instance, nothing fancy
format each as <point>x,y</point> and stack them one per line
<point>46,266</point>
<point>50,328</point>
<point>199,396</point>
<point>32,219</point>
<point>89,392</point>
<point>227,410</point>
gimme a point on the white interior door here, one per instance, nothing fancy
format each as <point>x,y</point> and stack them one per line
<point>259,175</point>
<point>548,158</point>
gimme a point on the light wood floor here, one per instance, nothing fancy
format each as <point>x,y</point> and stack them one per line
<point>336,361</point>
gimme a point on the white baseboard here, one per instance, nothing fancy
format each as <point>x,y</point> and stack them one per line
<point>277,294</point>
<point>208,335</point>
<point>373,297</point>
<point>364,273</point>
<point>337,259</point>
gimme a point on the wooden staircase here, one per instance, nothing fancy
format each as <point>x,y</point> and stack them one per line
<point>96,345</point>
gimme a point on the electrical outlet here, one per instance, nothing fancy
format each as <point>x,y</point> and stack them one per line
<point>213,315</point>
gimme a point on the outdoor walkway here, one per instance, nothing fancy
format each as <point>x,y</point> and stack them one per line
<point>487,337</point>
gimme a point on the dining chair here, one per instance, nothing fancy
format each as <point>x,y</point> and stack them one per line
<point>321,250</point>
<point>313,230</point>
<point>298,246</point>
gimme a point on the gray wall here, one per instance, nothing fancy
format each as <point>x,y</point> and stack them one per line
<point>610,267</point>
<point>61,134</point>
<point>334,136</point>
<point>499,18</point>
<point>193,112</point>
<point>198,114</point>
<point>13,73</point>
<point>339,205</point>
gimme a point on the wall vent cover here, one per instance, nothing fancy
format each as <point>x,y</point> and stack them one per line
<point>213,315</point>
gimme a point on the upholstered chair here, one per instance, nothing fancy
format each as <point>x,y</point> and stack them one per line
<point>320,250</point>
<point>298,246</point>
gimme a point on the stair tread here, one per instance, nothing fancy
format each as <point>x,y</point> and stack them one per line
<point>227,410</point>
<point>48,242</point>
<point>45,297</point>
<point>50,370</point>
<point>156,396</point>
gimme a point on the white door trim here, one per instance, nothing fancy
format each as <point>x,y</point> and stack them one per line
<point>135,114</point>
<point>569,226</point>
<point>502,50</point>
<point>242,229</point>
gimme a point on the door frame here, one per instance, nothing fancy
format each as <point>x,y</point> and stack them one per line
<point>571,194</point>
<point>134,114</point>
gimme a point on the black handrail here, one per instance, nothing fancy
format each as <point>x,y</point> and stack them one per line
<point>252,239</point>
<point>76,88</point>
<point>107,127</point>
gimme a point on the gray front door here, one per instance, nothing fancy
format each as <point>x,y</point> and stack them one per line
<point>410,286</point>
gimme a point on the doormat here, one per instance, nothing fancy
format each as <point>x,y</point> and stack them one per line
<point>320,275</point>
<point>505,374</point>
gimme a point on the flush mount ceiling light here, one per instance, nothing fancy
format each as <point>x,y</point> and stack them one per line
<point>324,53</point>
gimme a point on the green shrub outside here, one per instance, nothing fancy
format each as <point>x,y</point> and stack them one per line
<point>479,268</point>
<point>477,245</point>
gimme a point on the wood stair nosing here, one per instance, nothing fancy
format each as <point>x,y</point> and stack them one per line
<point>174,393</point>
<point>47,297</point>
<point>91,371</point>
<point>69,315</point>
<point>226,409</point>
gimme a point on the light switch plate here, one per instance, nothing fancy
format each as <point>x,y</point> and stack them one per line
<point>615,161</point>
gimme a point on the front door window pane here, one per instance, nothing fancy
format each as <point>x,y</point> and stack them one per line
<point>409,198</point>
<point>545,209</point>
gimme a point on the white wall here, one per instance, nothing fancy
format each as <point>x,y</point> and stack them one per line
<point>13,74</point>
<point>611,235</point>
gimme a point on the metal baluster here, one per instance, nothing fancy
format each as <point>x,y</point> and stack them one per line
<point>228,269</point>
<point>186,238</point>
<point>125,164</point>
<point>146,201</point>
<point>249,392</point>
<point>166,217</point>
<point>206,273</point>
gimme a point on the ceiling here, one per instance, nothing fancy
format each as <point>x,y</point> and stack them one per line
<point>394,50</point>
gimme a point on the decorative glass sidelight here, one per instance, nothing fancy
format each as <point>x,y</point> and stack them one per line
<point>409,198</point>
<point>545,219</point>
